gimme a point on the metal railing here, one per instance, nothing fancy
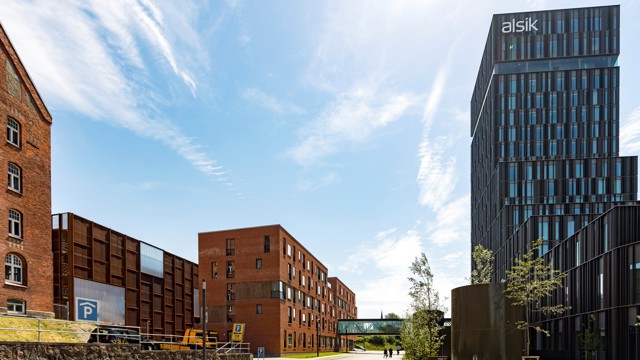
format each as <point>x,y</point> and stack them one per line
<point>31,329</point>
<point>234,348</point>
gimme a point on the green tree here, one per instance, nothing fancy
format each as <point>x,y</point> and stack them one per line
<point>377,340</point>
<point>393,316</point>
<point>420,332</point>
<point>483,260</point>
<point>590,339</point>
<point>529,282</point>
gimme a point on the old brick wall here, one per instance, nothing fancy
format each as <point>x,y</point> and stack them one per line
<point>44,351</point>
<point>20,100</point>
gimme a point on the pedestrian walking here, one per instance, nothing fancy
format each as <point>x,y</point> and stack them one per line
<point>385,352</point>
<point>398,349</point>
<point>390,352</point>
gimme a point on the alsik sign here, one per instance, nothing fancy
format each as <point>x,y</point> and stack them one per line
<point>519,26</point>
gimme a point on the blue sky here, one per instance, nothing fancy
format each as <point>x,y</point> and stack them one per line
<point>347,122</point>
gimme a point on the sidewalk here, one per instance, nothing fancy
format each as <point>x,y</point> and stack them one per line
<point>360,355</point>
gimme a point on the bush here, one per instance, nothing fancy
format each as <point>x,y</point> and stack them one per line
<point>377,340</point>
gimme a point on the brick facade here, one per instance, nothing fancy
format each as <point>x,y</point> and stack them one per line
<point>263,277</point>
<point>26,150</point>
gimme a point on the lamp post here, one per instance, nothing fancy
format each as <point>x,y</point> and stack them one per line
<point>318,337</point>
<point>204,319</point>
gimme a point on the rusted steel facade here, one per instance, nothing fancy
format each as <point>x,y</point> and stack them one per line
<point>135,283</point>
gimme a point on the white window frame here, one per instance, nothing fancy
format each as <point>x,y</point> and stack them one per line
<point>16,306</point>
<point>14,177</point>
<point>15,223</point>
<point>13,132</point>
<point>13,270</point>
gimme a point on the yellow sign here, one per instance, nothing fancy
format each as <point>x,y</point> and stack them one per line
<point>238,332</point>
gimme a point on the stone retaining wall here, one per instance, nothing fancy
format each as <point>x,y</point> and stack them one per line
<point>48,351</point>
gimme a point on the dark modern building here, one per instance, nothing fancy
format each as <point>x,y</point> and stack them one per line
<point>545,165</point>
<point>102,275</point>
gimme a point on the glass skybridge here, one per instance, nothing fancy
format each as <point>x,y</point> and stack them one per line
<point>369,326</point>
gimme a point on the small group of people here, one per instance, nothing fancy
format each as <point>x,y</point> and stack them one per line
<point>389,353</point>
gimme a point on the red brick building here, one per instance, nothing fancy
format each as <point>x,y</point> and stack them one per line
<point>25,236</point>
<point>344,300</point>
<point>263,277</point>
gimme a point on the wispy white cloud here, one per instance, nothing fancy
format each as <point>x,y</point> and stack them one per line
<point>313,185</point>
<point>452,223</point>
<point>461,118</point>
<point>630,134</point>
<point>390,253</point>
<point>270,102</point>
<point>244,39</point>
<point>142,186</point>
<point>350,119</point>
<point>436,174</point>
<point>81,65</point>
<point>155,35</point>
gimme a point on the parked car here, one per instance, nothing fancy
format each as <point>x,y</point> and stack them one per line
<point>120,335</point>
<point>358,347</point>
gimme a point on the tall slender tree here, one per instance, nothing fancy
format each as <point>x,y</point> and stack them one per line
<point>420,333</point>
<point>529,282</point>
<point>483,260</point>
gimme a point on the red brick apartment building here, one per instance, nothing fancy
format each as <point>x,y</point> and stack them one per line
<point>103,275</point>
<point>344,302</point>
<point>26,201</point>
<point>263,277</point>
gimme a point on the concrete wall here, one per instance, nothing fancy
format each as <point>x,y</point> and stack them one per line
<point>45,351</point>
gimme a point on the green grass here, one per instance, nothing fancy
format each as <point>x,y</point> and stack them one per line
<point>311,355</point>
<point>58,331</point>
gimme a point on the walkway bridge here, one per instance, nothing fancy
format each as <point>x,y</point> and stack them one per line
<point>369,326</point>
<point>376,326</point>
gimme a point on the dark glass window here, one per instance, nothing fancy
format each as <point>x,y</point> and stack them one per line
<point>267,243</point>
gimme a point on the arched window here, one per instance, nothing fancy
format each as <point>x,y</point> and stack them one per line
<point>13,132</point>
<point>15,177</point>
<point>13,269</point>
<point>15,223</point>
<point>15,306</point>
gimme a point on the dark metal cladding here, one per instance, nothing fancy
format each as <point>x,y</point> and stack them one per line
<point>545,164</point>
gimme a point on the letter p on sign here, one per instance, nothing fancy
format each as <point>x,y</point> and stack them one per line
<point>87,309</point>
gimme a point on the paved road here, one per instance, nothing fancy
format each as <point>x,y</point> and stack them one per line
<point>360,355</point>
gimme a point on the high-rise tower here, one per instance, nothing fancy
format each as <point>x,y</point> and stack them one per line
<point>545,165</point>
<point>544,122</point>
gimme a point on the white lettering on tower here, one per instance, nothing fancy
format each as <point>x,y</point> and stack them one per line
<point>519,26</point>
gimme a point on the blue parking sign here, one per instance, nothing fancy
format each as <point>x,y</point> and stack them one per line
<point>86,309</point>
